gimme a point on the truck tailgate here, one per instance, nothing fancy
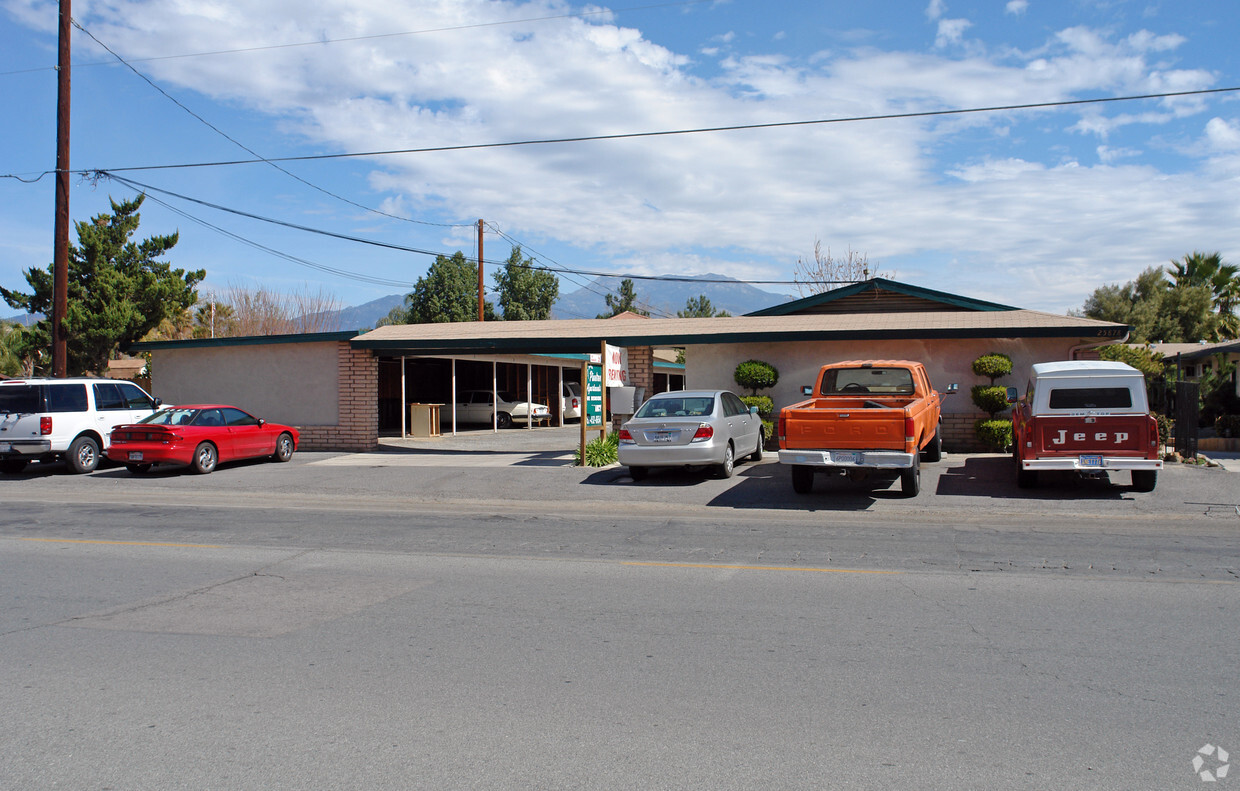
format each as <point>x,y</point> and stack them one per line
<point>1106,434</point>
<point>845,429</point>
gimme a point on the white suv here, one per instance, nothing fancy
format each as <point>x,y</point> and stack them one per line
<point>71,419</point>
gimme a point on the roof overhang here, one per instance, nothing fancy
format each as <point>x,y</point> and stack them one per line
<point>586,335</point>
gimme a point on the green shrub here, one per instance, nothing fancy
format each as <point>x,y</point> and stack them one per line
<point>1166,427</point>
<point>993,366</point>
<point>991,399</point>
<point>764,404</point>
<point>755,375</point>
<point>600,451</point>
<point>994,434</point>
<point>1227,425</point>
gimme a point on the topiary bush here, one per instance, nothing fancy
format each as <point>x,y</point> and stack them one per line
<point>764,404</point>
<point>995,365</point>
<point>755,375</point>
<point>991,399</point>
<point>994,434</point>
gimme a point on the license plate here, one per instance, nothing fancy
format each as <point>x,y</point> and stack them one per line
<point>135,455</point>
<point>1091,461</point>
<point>660,436</point>
<point>5,447</point>
<point>846,458</point>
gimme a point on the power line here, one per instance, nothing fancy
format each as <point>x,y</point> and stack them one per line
<point>138,186</point>
<point>238,143</point>
<point>692,131</point>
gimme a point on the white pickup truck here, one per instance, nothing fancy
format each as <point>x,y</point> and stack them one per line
<point>1088,416</point>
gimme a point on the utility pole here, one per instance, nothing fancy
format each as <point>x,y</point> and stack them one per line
<point>60,255</point>
<point>480,301</point>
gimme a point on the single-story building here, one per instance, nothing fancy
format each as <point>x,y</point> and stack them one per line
<point>343,389</point>
<point>1196,359</point>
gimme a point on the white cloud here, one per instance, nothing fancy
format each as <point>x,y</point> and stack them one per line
<point>740,202</point>
<point>1223,135</point>
<point>951,31</point>
<point>1016,7</point>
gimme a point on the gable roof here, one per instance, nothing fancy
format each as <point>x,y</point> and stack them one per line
<point>879,295</point>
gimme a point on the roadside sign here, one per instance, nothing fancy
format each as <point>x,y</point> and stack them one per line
<point>594,396</point>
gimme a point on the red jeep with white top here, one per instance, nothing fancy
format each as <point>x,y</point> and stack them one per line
<point>1088,416</point>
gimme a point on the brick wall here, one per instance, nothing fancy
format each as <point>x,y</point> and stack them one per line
<point>641,368</point>
<point>357,400</point>
<point>958,433</point>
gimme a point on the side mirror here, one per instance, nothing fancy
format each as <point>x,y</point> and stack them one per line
<point>159,402</point>
<point>951,389</point>
<point>1012,395</point>
<point>262,422</point>
<point>807,389</point>
<point>753,410</point>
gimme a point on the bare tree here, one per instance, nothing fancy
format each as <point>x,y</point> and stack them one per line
<point>825,272</point>
<point>263,312</point>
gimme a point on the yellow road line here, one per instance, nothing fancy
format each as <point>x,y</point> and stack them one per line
<point>123,543</point>
<point>753,568</point>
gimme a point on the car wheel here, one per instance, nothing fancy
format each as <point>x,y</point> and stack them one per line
<point>638,473</point>
<point>757,452</point>
<point>504,420</point>
<point>284,447</point>
<point>1144,480</point>
<point>12,466</point>
<point>802,478</point>
<point>934,451</point>
<point>138,469</point>
<point>910,479</point>
<point>83,455</point>
<point>724,470</point>
<point>205,458</point>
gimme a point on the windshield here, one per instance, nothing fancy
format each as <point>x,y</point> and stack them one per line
<point>695,406</point>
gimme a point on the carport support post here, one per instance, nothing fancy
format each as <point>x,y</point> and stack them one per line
<point>529,396</point>
<point>404,407</point>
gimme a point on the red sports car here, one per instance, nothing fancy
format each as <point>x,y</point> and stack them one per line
<point>201,436</point>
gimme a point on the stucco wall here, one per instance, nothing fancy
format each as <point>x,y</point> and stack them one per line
<point>293,383</point>
<point>947,361</point>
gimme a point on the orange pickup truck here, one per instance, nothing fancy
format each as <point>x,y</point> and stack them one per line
<point>864,416</point>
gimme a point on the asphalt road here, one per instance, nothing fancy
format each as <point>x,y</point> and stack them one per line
<point>465,620</point>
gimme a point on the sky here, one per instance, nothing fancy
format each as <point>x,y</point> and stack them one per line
<point>1032,207</point>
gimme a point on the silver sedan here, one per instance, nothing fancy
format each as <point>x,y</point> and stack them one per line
<point>691,427</point>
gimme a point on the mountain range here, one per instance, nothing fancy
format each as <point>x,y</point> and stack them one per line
<point>661,298</point>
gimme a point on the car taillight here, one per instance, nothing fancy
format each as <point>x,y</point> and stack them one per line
<point>625,435</point>
<point>704,432</point>
<point>909,428</point>
<point>576,404</point>
<point>781,426</point>
<point>45,425</point>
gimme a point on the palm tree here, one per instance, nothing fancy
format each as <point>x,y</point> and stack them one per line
<point>1223,280</point>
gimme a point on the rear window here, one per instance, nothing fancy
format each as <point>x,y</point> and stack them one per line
<point>20,398</point>
<point>1091,398</point>
<point>66,398</point>
<point>693,406</point>
<point>886,381</point>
